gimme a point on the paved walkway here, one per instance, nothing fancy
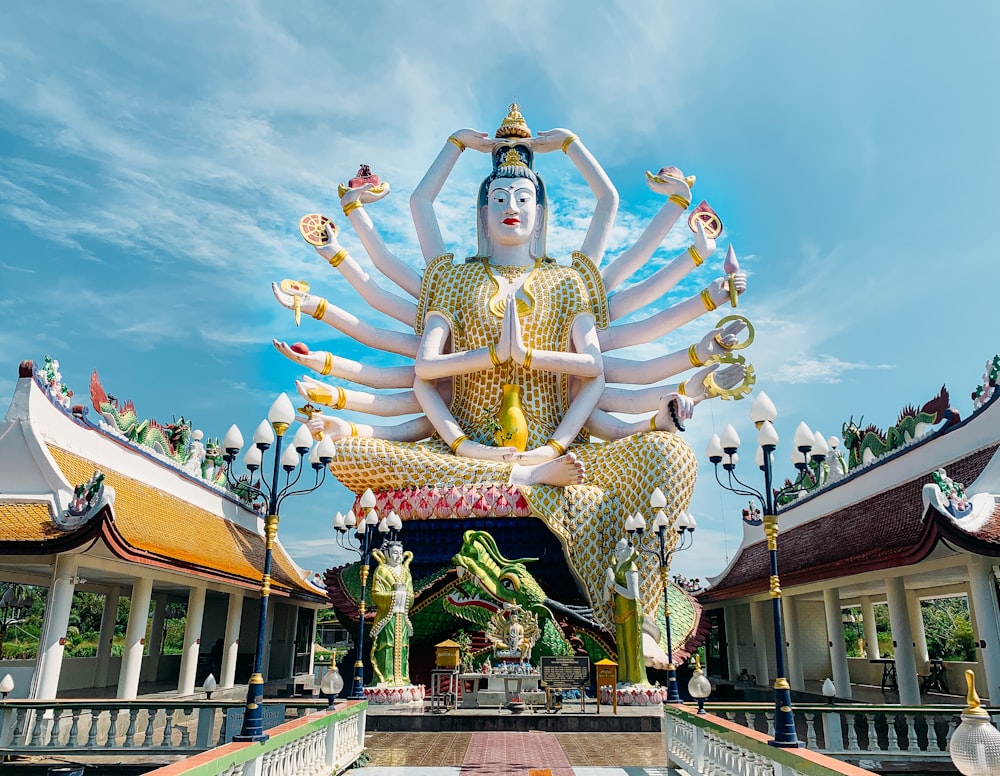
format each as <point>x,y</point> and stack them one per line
<point>516,754</point>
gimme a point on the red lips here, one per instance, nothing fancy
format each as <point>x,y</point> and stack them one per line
<point>512,221</point>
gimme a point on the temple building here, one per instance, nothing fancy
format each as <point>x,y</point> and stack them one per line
<point>102,502</point>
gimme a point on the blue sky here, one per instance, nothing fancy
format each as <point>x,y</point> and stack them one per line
<point>155,159</point>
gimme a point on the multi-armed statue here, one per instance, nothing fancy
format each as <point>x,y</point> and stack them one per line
<point>510,380</point>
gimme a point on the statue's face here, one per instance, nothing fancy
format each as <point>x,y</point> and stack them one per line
<point>511,211</point>
<point>396,554</point>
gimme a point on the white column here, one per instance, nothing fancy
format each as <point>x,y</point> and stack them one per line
<point>983,605</point>
<point>761,635</point>
<point>108,618</point>
<point>45,682</point>
<point>135,639</point>
<point>902,641</point>
<point>231,648</point>
<point>835,634</point>
<point>917,629</point>
<point>151,669</point>
<point>871,627</point>
<point>192,641</point>
<point>790,611</point>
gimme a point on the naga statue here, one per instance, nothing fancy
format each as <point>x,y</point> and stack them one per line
<point>509,382</point>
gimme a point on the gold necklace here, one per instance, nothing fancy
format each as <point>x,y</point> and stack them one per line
<point>504,285</point>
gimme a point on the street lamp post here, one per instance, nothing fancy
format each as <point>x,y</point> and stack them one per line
<point>369,534</point>
<point>15,602</point>
<point>809,449</point>
<point>293,459</point>
<point>635,526</point>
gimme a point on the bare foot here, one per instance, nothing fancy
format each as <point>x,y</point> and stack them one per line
<point>564,470</point>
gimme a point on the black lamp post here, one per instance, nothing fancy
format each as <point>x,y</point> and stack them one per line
<point>369,534</point>
<point>293,459</point>
<point>809,449</point>
<point>685,524</point>
<point>15,602</point>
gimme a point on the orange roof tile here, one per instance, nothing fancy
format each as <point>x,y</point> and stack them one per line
<point>27,521</point>
<point>166,527</point>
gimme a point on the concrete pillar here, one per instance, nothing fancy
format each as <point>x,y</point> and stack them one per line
<point>761,636</point>
<point>231,643</point>
<point>152,666</point>
<point>135,639</point>
<point>790,610</point>
<point>871,627</point>
<point>45,682</point>
<point>920,655</point>
<point>108,618</point>
<point>192,641</point>
<point>902,641</point>
<point>985,623</point>
<point>835,634</point>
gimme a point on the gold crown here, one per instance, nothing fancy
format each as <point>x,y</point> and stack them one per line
<point>512,159</point>
<point>514,124</point>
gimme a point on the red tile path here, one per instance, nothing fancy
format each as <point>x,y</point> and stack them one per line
<point>515,754</point>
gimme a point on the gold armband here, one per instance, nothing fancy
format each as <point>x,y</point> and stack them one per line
<point>567,143</point>
<point>678,200</point>
<point>680,389</point>
<point>458,143</point>
<point>350,207</point>
<point>493,356</point>
<point>693,356</point>
<point>354,430</point>
<point>341,398</point>
<point>706,298</point>
<point>327,365</point>
<point>560,450</point>
<point>320,310</point>
<point>458,443</point>
<point>695,256</point>
<point>527,359</point>
<point>338,257</point>
<point>652,423</point>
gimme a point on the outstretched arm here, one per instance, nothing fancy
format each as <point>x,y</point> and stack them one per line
<point>338,428</point>
<point>678,195</point>
<point>655,286</point>
<point>326,363</point>
<point>609,427</point>
<point>374,337</point>
<point>596,241</point>
<point>654,327</point>
<point>423,196</point>
<point>352,201</point>
<point>386,405</point>
<point>401,309</point>
<point>646,399</point>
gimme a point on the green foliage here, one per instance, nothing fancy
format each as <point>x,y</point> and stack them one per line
<point>948,628</point>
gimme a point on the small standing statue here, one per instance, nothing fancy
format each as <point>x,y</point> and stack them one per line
<point>623,588</point>
<point>392,593</point>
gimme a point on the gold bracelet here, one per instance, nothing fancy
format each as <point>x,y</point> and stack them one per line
<point>652,424</point>
<point>354,429</point>
<point>527,359</point>
<point>338,257</point>
<point>678,200</point>
<point>350,207</point>
<point>493,355</point>
<point>680,389</point>
<point>695,256</point>
<point>560,450</point>
<point>567,142</point>
<point>706,298</point>
<point>458,443</point>
<point>320,310</point>
<point>458,143</point>
<point>341,399</point>
<point>327,364</point>
<point>693,357</point>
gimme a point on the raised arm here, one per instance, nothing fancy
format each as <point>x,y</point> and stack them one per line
<point>337,428</point>
<point>596,241</point>
<point>326,363</point>
<point>386,405</point>
<point>339,258</point>
<point>423,196</point>
<point>678,194</point>
<point>319,308</point>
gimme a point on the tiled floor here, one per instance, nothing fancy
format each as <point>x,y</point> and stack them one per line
<point>505,754</point>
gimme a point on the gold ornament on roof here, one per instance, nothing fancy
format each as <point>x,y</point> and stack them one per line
<point>514,124</point>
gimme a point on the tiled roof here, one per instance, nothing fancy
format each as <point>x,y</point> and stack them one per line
<point>985,540</point>
<point>27,521</point>
<point>883,531</point>
<point>152,527</point>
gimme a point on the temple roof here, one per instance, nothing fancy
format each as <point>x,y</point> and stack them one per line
<point>158,516</point>
<point>885,524</point>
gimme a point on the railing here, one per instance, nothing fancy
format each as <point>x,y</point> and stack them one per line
<point>705,744</point>
<point>136,729</point>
